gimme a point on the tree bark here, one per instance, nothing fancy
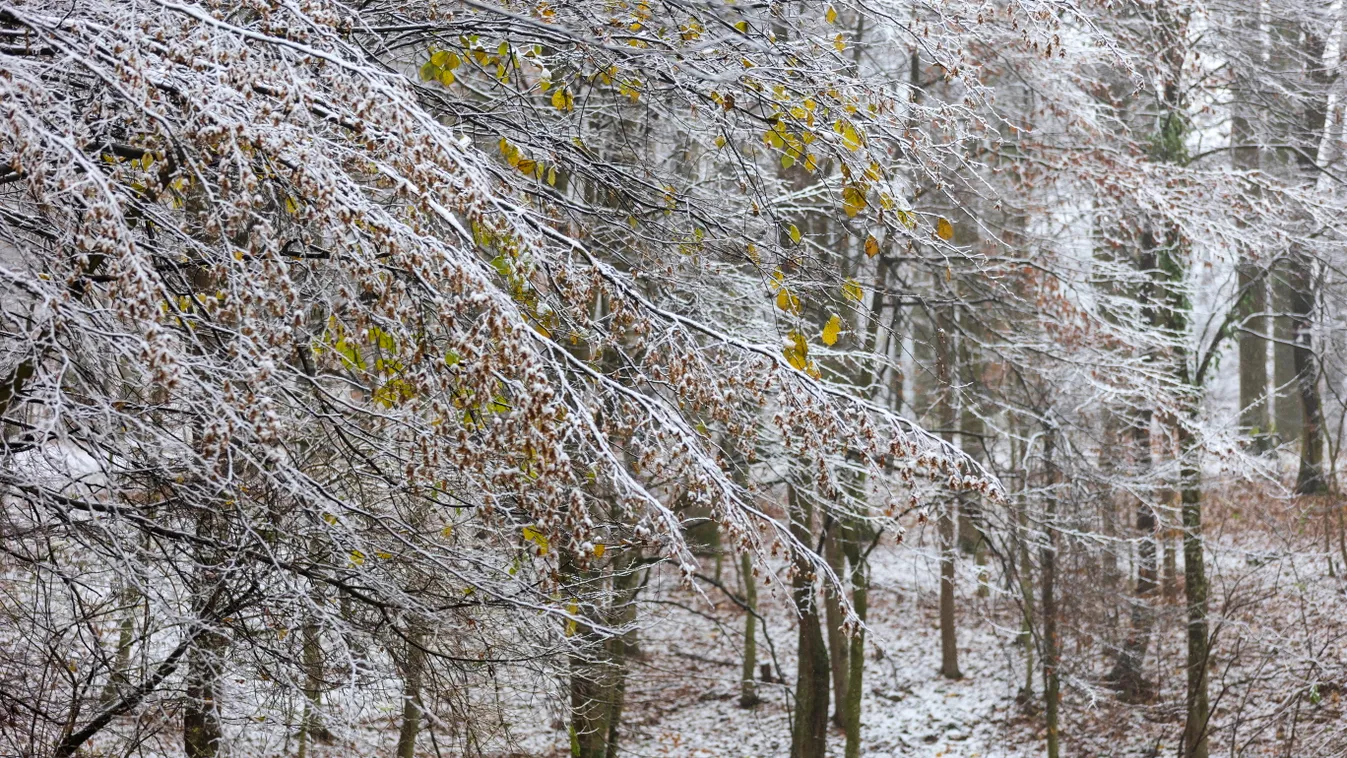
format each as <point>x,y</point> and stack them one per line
<point>201,731</point>
<point>1287,409</point>
<point>948,519</point>
<point>411,692</point>
<point>810,736</point>
<point>1048,562</point>
<point>1127,672</point>
<point>748,689</point>
<point>1310,478</point>
<point>626,582</point>
<point>1253,330</point>
<point>838,655</point>
<point>1195,731</point>
<point>860,595</point>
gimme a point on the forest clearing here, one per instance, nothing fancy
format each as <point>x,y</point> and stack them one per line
<point>607,378</point>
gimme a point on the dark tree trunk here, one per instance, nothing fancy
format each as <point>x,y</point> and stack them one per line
<point>948,519</point>
<point>1048,561</point>
<point>1195,731</point>
<point>810,736</point>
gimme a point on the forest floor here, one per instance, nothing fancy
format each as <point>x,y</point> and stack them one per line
<point>1279,670</point>
<point>1277,678</point>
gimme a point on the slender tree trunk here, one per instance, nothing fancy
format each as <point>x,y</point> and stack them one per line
<point>201,731</point>
<point>119,679</point>
<point>810,736</point>
<point>1026,693</point>
<point>1048,562</point>
<point>1310,479</point>
<point>748,689</point>
<point>411,692</point>
<point>837,638</point>
<point>948,519</point>
<point>860,595</point>
<point>310,725</point>
<point>1195,731</point>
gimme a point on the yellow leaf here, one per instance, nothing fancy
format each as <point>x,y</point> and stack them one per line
<point>796,350</point>
<point>742,27</point>
<point>552,175</point>
<point>853,200</point>
<point>440,58</point>
<point>787,160</point>
<point>851,139</point>
<point>357,558</point>
<point>944,229</point>
<point>329,518</point>
<point>787,301</point>
<point>563,100</point>
<point>538,538</point>
<point>839,44</point>
<point>794,232</point>
<point>871,246</point>
<point>384,555</point>
<point>831,330</point>
<point>831,15</point>
<point>598,550</point>
<point>720,141</point>
<point>446,77</point>
<point>852,290</point>
<point>447,531</point>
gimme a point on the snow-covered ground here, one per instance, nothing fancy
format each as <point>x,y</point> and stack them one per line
<point>1281,663</point>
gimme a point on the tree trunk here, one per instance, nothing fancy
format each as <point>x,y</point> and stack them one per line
<point>626,582</point>
<point>1253,404</point>
<point>1128,669</point>
<point>1253,329</point>
<point>810,736</point>
<point>860,594</point>
<point>748,689</point>
<point>837,638</point>
<point>119,679</point>
<point>1048,561</point>
<point>310,725</point>
<point>1195,588</point>
<point>1287,412</point>
<point>948,519</point>
<point>1310,479</point>
<point>201,732</point>
<point>411,692</point>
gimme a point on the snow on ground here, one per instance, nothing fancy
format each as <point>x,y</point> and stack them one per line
<point>1271,594</point>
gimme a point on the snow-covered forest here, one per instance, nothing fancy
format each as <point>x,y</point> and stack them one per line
<point>608,378</point>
